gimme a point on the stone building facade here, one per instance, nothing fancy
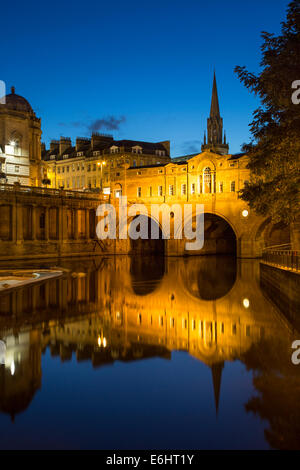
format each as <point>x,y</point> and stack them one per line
<point>20,142</point>
<point>91,163</point>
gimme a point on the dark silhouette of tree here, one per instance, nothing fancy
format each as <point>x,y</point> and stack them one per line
<point>274,150</point>
<point>277,382</point>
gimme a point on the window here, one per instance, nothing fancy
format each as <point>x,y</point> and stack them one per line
<point>207,180</point>
<point>150,191</point>
<point>89,167</point>
<point>160,171</point>
<point>17,168</point>
<point>134,162</point>
<point>172,322</point>
<point>139,192</point>
<point>94,167</point>
<point>232,186</point>
<point>234,329</point>
<point>193,324</point>
<point>193,188</point>
<point>139,318</point>
<point>58,169</point>
<point>183,189</point>
<point>246,183</point>
<point>221,186</point>
<point>67,169</point>
<point>73,167</point>
<point>160,190</point>
<point>171,189</point>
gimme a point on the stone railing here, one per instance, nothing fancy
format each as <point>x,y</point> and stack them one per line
<point>37,190</point>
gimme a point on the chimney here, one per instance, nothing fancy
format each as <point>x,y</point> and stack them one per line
<point>64,144</point>
<point>54,145</point>
<point>82,141</point>
<point>101,139</point>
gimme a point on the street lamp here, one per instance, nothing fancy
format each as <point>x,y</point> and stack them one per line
<point>101,165</point>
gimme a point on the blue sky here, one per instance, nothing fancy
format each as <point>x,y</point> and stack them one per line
<point>147,64</point>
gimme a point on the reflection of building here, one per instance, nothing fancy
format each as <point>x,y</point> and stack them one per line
<point>20,148</point>
<point>20,375</point>
<point>120,313</point>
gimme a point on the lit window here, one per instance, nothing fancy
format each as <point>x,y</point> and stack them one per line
<point>171,190</point>
<point>139,192</point>
<point>193,188</point>
<point>160,190</point>
<point>183,189</point>
<point>232,186</point>
<point>207,176</point>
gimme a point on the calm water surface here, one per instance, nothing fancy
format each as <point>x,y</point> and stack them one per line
<point>151,353</point>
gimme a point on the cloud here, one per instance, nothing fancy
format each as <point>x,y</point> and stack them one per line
<point>110,123</point>
<point>191,146</point>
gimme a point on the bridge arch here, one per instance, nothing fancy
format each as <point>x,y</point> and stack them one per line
<point>220,236</point>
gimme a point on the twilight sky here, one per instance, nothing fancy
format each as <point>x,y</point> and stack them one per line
<point>139,70</point>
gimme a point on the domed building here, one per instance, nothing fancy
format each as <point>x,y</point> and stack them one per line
<point>20,141</point>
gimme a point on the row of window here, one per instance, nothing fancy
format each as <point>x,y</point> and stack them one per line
<point>78,183</point>
<point>184,189</point>
<point>184,324</point>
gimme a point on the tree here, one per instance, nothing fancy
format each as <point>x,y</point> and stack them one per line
<point>274,149</point>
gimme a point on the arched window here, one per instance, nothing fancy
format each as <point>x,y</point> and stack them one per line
<point>207,180</point>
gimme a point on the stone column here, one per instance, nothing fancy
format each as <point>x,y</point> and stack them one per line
<point>75,227</point>
<point>20,223</point>
<point>47,223</point>
<point>34,222</point>
<point>87,223</point>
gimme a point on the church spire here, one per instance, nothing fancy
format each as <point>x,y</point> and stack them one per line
<point>215,141</point>
<point>214,107</point>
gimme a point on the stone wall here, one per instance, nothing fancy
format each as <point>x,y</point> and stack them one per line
<point>282,287</point>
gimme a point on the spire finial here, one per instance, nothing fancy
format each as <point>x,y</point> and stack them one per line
<point>214,108</point>
<point>12,90</point>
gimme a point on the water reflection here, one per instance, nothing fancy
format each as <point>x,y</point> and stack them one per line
<point>128,309</point>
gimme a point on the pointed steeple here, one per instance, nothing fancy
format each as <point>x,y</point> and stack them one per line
<point>215,141</point>
<point>214,107</point>
<point>216,370</point>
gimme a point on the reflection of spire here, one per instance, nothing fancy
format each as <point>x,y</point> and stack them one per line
<point>216,370</point>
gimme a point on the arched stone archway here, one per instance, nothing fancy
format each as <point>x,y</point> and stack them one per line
<point>148,245</point>
<point>219,236</point>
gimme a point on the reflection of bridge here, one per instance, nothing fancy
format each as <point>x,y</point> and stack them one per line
<point>127,311</point>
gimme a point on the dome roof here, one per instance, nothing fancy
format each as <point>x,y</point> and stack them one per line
<point>17,102</point>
